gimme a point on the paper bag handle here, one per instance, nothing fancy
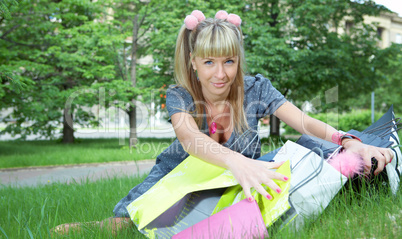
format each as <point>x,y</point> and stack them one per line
<point>313,174</point>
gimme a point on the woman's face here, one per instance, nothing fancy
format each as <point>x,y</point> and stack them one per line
<point>216,74</point>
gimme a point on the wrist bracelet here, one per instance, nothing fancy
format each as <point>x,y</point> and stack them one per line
<point>338,136</point>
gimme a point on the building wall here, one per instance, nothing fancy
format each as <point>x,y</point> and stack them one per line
<point>389,28</point>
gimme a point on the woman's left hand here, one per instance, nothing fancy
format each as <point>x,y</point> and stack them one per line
<point>382,155</point>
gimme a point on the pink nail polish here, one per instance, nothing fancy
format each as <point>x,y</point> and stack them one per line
<point>391,160</point>
<point>286,178</point>
<point>250,199</point>
<point>278,190</point>
<point>269,197</point>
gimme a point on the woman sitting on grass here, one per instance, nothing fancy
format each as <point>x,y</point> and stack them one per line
<point>214,103</point>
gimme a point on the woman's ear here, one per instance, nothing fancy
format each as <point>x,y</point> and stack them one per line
<point>193,63</point>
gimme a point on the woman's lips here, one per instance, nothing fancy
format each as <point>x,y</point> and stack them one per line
<point>218,85</point>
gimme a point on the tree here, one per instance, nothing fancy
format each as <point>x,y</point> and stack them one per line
<point>61,52</point>
<point>132,24</point>
<point>297,45</point>
<point>85,49</point>
<point>389,72</point>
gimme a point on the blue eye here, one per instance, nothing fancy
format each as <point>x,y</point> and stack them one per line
<point>230,61</point>
<point>208,62</point>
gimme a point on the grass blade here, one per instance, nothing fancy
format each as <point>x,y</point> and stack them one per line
<point>29,232</point>
<point>4,233</point>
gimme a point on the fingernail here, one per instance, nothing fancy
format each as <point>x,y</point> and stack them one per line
<point>278,190</point>
<point>286,178</point>
<point>391,160</point>
<point>250,199</point>
<point>269,197</point>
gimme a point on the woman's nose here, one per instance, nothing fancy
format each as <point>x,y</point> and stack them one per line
<point>220,72</point>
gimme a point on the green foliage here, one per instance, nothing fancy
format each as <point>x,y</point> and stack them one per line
<point>61,51</point>
<point>296,45</point>
<point>356,119</point>
<point>76,51</point>
<point>5,8</point>
<point>389,70</point>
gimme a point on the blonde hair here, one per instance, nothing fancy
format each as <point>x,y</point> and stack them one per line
<point>211,38</point>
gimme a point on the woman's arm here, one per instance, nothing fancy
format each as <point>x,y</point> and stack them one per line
<point>304,124</point>
<point>248,172</point>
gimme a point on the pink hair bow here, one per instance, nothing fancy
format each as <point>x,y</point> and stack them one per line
<point>191,21</point>
<point>232,18</point>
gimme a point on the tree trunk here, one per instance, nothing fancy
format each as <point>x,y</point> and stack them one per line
<point>133,124</point>
<point>274,124</point>
<point>68,131</point>
<point>132,114</point>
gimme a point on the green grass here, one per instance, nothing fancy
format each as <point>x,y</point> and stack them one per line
<point>14,154</point>
<point>31,212</point>
<point>47,152</point>
<point>368,213</point>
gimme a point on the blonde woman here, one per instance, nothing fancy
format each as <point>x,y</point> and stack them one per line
<point>213,103</point>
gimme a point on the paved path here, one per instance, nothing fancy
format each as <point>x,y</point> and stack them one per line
<point>42,175</point>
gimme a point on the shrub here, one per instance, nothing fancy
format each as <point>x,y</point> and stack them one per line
<point>356,119</point>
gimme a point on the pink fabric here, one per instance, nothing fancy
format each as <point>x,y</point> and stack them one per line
<point>241,220</point>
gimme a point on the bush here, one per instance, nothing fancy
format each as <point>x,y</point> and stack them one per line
<point>356,119</point>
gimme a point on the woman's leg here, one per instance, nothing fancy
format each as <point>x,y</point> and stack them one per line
<point>113,224</point>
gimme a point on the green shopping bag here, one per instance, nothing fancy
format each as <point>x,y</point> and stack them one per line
<point>191,175</point>
<point>271,210</point>
<point>189,179</point>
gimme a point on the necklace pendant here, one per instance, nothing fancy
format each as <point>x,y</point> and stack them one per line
<point>212,128</point>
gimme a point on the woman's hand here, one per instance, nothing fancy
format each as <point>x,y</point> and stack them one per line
<point>382,155</point>
<point>251,173</point>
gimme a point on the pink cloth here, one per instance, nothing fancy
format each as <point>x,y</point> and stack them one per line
<point>239,221</point>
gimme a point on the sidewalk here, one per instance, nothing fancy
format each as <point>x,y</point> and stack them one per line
<point>75,173</point>
<point>34,176</point>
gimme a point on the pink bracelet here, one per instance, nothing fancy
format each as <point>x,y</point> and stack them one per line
<point>338,136</point>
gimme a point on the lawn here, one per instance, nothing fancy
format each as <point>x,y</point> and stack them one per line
<point>31,212</point>
<point>14,154</point>
<point>28,212</point>
<point>49,152</point>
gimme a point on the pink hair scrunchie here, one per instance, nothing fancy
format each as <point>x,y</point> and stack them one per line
<point>232,18</point>
<point>191,21</point>
<point>221,15</point>
<point>199,15</point>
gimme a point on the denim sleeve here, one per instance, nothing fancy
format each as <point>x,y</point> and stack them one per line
<point>179,100</point>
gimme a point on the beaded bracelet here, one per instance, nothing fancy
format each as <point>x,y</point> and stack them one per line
<point>338,136</point>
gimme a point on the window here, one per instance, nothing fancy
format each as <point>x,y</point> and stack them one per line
<point>398,38</point>
<point>379,32</point>
<point>348,26</point>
